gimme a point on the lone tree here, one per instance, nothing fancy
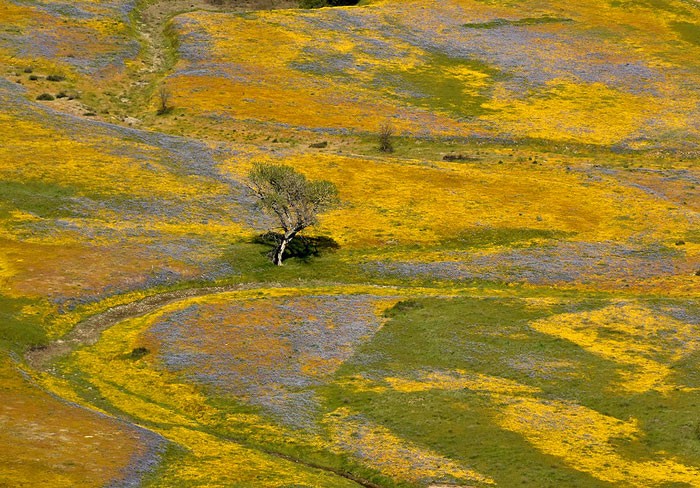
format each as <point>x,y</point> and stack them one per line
<point>294,200</point>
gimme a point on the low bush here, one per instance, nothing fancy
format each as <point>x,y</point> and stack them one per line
<point>326,3</point>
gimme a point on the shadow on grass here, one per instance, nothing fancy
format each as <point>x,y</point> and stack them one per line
<point>301,247</point>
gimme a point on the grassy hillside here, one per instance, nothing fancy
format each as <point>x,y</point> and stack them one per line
<point>515,296</point>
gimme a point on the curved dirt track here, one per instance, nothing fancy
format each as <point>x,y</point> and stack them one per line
<point>88,331</point>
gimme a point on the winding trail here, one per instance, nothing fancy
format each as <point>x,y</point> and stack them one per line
<point>151,22</point>
<point>88,332</point>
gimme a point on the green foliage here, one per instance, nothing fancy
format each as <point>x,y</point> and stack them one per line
<point>473,334</point>
<point>288,195</point>
<point>46,97</point>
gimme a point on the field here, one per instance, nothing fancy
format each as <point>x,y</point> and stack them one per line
<point>511,297</point>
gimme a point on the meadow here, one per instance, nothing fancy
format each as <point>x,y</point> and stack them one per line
<point>514,298</point>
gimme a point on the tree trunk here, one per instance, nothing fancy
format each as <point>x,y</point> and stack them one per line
<point>279,252</point>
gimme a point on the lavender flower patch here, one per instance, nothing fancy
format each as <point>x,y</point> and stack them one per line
<point>79,9</point>
<point>270,353</point>
<point>195,45</point>
<point>568,262</point>
<point>78,46</point>
<point>143,463</point>
<point>318,62</point>
<point>526,51</point>
<point>687,312</point>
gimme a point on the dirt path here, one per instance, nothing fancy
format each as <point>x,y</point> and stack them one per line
<point>88,331</point>
<point>153,18</point>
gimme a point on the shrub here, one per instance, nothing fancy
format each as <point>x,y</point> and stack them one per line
<point>138,353</point>
<point>33,77</point>
<point>164,101</point>
<point>45,96</point>
<point>386,132</point>
<point>326,3</point>
<point>458,157</point>
<point>55,78</point>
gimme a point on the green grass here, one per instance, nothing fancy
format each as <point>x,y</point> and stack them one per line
<point>433,86</point>
<point>18,331</point>
<point>502,236</point>
<point>675,7</point>
<point>45,200</point>
<point>518,23</point>
<point>492,336</point>
<point>688,32</point>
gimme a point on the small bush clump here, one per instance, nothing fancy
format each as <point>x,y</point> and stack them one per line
<point>459,157</point>
<point>138,352</point>
<point>45,96</point>
<point>326,3</point>
<point>55,78</point>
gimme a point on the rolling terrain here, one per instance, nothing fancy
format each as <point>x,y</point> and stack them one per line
<point>511,297</point>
